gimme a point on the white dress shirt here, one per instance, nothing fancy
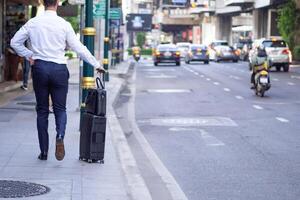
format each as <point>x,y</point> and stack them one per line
<point>49,36</point>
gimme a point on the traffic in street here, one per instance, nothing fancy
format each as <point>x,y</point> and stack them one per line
<point>213,135</point>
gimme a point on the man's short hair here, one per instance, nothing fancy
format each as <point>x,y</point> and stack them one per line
<point>49,3</point>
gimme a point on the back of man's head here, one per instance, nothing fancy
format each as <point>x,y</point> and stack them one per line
<point>50,3</point>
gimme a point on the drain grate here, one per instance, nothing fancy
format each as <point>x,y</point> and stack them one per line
<point>18,189</point>
<point>27,103</point>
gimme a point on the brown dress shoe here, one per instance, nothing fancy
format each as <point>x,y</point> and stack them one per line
<point>60,149</point>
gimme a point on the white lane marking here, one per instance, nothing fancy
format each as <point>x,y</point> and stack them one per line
<point>157,70</point>
<point>168,91</point>
<point>291,83</point>
<point>196,73</point>
<point>210,140</point>
<point>202,76</point>
<point>297,77</point>
<point>239,97</point>
<point>258,107</point>
<point>275,79</point>
<point>281,119</point>
<point>235,77</point>
<point>193,122</point>
<point>216,83</point>
<point>226,89</point>
<point>160,76</point>
<point>208,79</point>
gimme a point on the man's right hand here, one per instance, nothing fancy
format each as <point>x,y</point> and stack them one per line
<point>100,70</point>
<point>31,61</point>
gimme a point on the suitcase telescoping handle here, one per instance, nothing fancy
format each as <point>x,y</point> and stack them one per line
<point>100,83</point>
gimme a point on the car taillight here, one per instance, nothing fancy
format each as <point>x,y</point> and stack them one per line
<point>286,51</point>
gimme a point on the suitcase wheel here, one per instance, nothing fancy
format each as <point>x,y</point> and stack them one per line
<point>101,161</point>
<point>80,158</point>
<point>89,160</point>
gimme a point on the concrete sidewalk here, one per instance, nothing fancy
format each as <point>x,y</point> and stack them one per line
<point>117,179</point>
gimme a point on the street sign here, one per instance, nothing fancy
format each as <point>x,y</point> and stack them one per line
<point>99,11</point>
<point>115,13</point>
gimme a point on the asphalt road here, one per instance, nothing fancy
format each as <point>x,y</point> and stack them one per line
<point>217,139</point>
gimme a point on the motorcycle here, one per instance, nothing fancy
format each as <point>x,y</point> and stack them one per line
<point>136,57</point>
<point>262,79</point>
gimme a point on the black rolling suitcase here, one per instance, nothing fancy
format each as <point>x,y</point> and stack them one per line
<point>95,102</point>
<point>92,138</point>
<point>93,125</point>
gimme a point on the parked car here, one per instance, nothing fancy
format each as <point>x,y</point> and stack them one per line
<point>212,48</point>
<point>166,53</point>
<point>197,52</point>
<point>183,47</point>
<point>278,52</point>
<point>225,53</point>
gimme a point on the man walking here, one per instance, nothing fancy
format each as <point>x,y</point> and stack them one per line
<point>49,35</point>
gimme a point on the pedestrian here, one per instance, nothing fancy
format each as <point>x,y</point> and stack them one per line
<point>26,69</point>
<point>49,35</point>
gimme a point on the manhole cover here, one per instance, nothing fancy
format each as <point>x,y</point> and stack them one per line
<point>18,189</point>
<point>27,103</point>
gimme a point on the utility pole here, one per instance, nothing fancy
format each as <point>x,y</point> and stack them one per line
<point>89,32</point>
<point>106,40</point>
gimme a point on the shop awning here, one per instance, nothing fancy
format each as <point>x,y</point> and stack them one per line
<point>27,2</point>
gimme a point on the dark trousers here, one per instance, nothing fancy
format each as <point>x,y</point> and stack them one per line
<point>50,79</point>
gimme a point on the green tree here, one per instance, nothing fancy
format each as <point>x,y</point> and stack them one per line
<point>140,39</point>
<point>74,22</point>
<point>287,22</point>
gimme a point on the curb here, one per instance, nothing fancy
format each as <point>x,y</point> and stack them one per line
<point>136,186</point>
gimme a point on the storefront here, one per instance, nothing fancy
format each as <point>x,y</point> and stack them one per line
<point>14,14</point>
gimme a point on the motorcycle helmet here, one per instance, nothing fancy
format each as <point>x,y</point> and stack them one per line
<point>261,51</point>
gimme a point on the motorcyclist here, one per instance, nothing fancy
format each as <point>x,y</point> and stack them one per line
<point>136,50</point>
<point>259,63</point>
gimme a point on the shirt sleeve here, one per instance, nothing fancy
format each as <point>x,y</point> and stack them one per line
<point>79,48</point>
<point>18,42</point>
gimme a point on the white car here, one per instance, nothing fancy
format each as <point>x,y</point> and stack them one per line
<point>212,50</point>
<point>278,52</point>
<point>183,47</point>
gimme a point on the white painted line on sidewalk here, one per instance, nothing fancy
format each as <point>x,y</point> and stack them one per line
<point>275,79</point>
<point>208,79</point>
<point>281,119</point>
<point>291,83</point>
<point>216,83</point>
<point>196,73</point>
<point>202,76</point>
<point>239,97</point>
<point>158,70</point>
<point>258,107</point>
<point>226,89</point>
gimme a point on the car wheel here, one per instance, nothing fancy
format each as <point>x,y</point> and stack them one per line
<point>286,67</point>
<point>278,68</point>
<point>235,61</point>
